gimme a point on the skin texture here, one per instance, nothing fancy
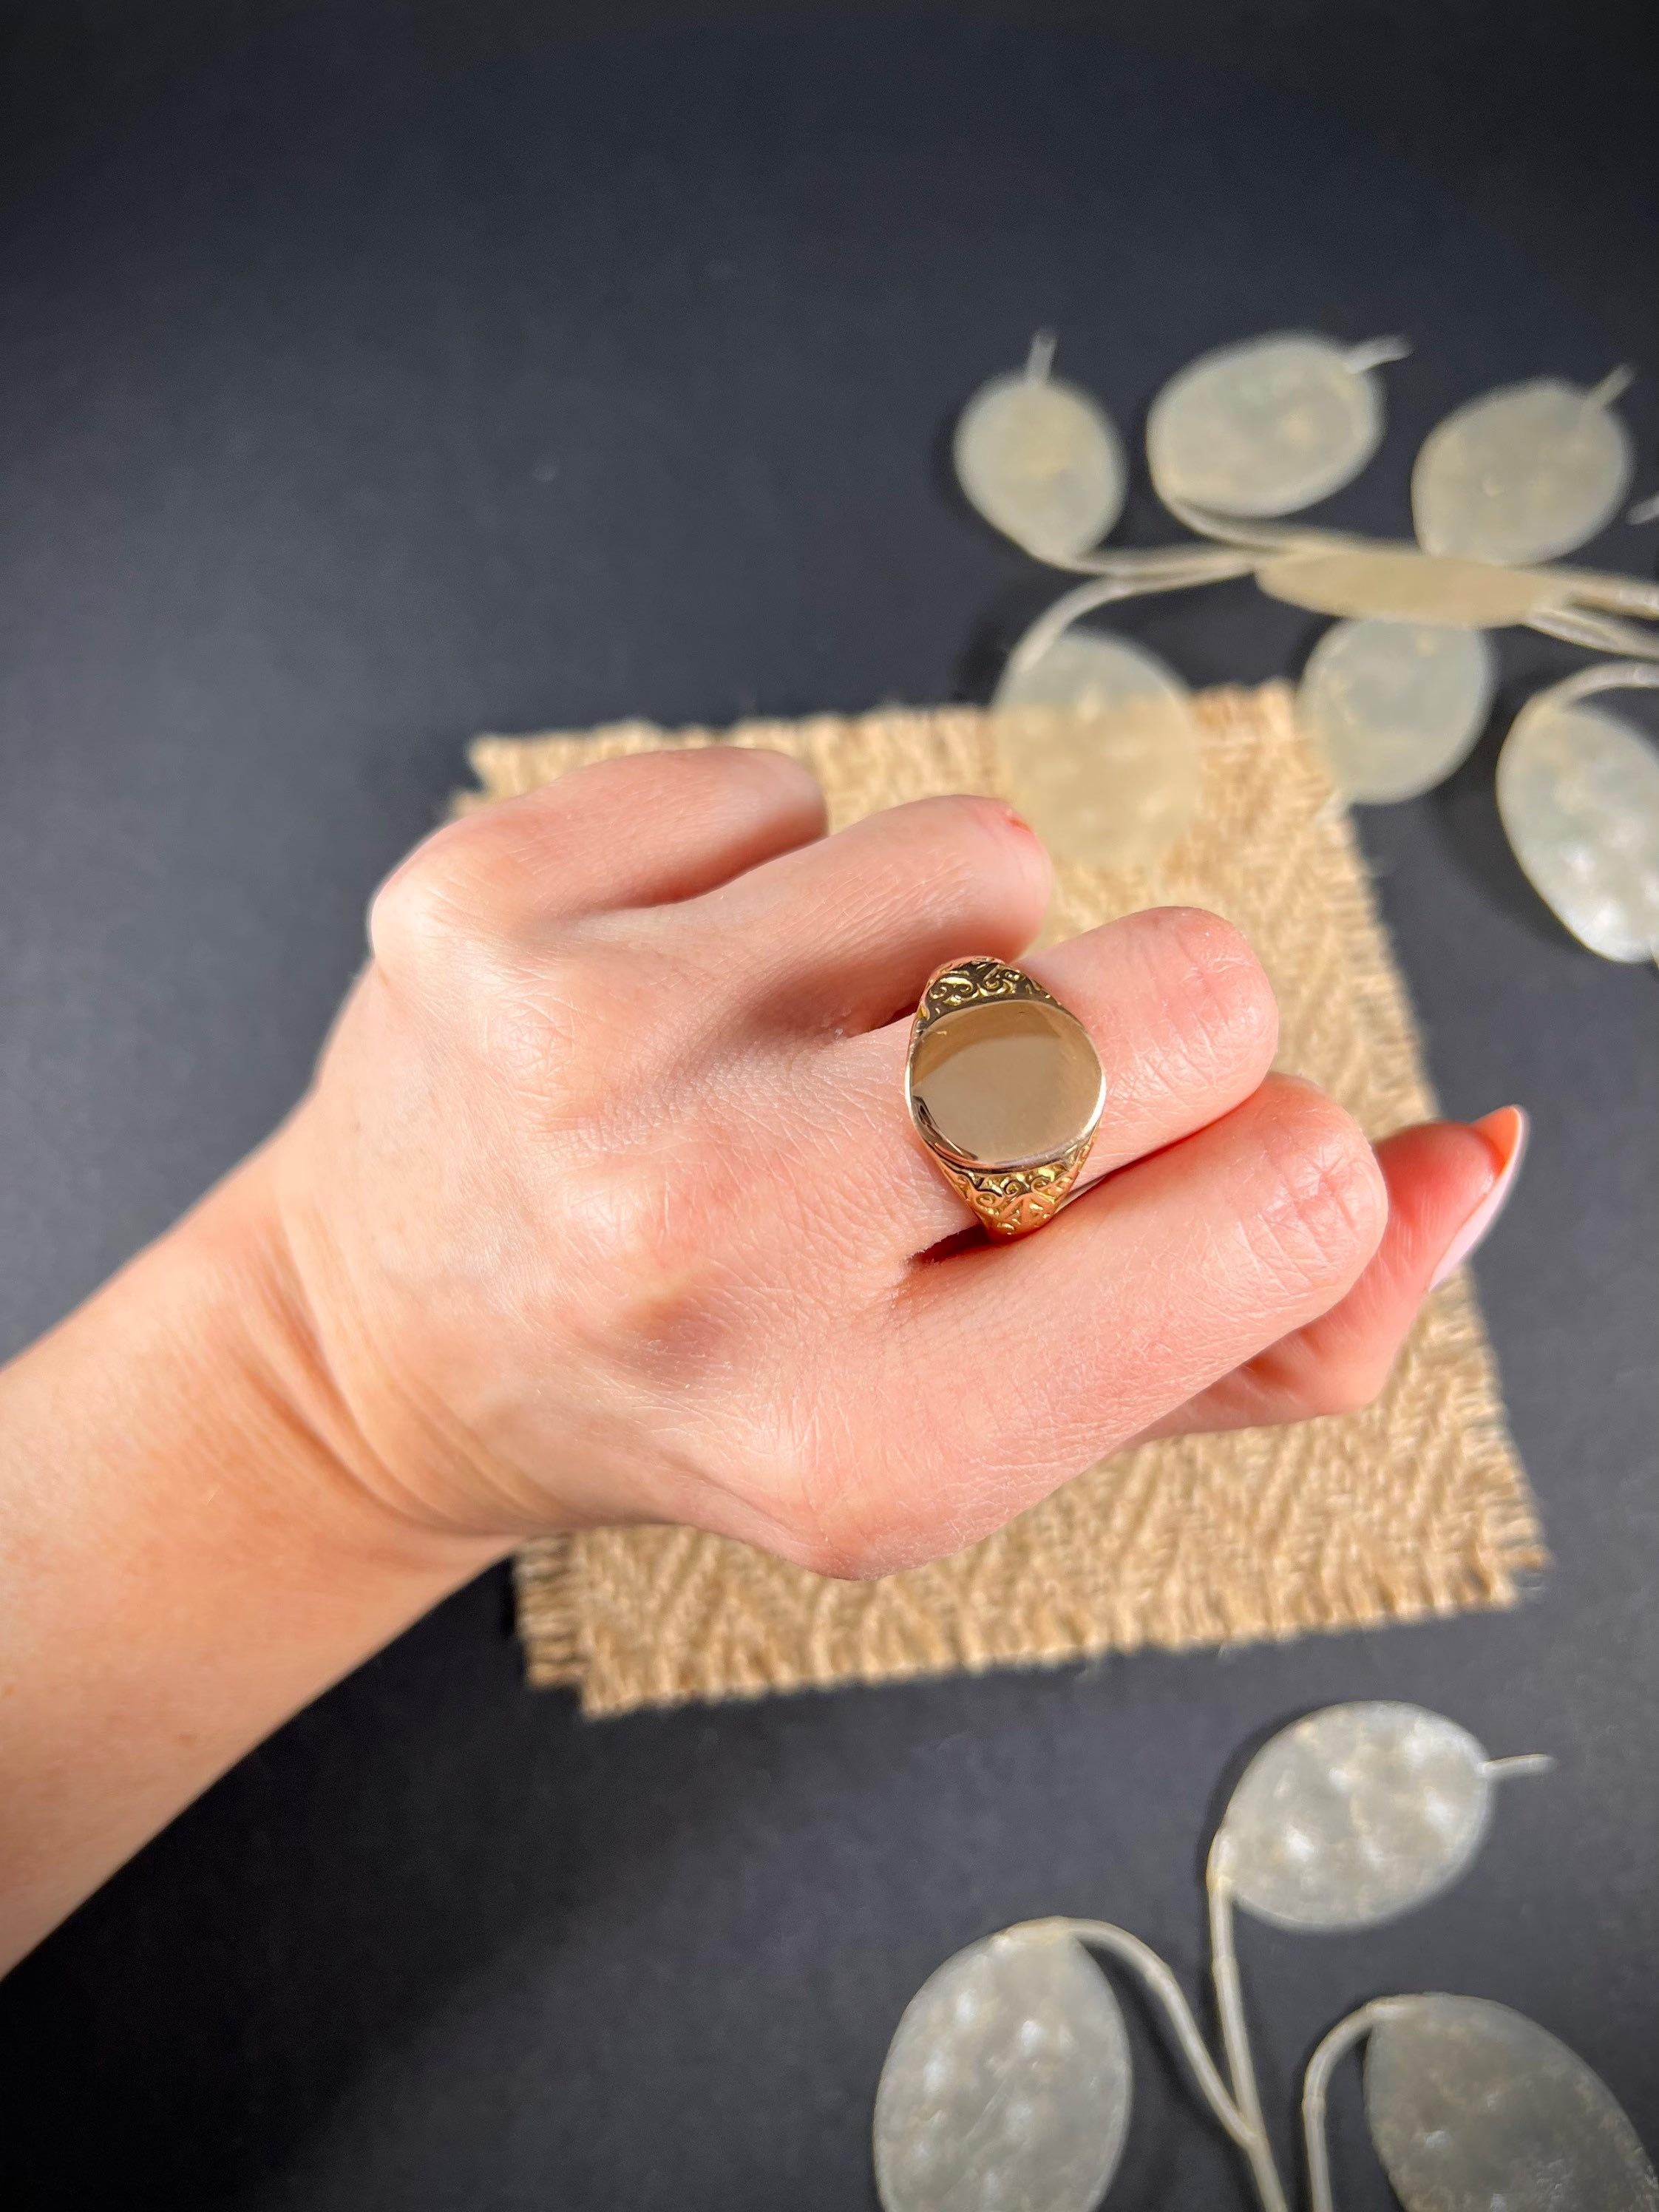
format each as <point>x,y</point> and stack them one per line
<point>604,1207</point>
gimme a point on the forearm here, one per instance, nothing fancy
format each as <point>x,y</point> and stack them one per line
<point>185,1559</point>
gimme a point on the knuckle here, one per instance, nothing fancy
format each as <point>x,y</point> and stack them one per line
<point>1324,1203</point>
<point>1223,1004</point>
<point>778,775</point>
<point>844,1562</point>
<point>426,906</point>
<point>972,835</point>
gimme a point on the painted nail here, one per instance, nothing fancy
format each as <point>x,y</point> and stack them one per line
<point>1506,1131</point>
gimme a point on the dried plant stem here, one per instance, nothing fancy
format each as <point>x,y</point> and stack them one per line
<point>1234,2030</point>
<point>1040,362</point>
<point>1519,1764</point>
<point>1599,633</point>
<point>1162,568</point>
<point>1609,675</point>
<point>1376,353</point>
<point>1162,1984</point>
<point>1623,595</point>
<point>1315,2083</point>
<point>1614,385</point>
<point>1197,566</point>
<point>1260,537</point>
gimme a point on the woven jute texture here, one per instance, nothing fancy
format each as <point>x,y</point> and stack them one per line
<point>1416,1506</point>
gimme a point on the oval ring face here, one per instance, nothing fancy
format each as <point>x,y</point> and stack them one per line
<point>1005,1083</point>
<point>1041,463</point>
<point>1264,428</point>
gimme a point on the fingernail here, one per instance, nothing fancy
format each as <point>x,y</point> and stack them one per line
<point>1506,1131</point>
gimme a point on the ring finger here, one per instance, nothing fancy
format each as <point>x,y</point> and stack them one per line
<point>1179,1012</point>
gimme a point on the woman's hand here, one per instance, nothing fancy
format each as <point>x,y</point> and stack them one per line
<point>605,1204</point>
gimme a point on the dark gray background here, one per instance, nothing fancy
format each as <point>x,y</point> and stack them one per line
<point>373,374</point>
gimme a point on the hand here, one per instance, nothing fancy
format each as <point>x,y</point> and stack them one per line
<point>605,1204</point>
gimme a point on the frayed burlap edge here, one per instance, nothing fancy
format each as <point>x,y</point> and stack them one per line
<point>1416,1506</point>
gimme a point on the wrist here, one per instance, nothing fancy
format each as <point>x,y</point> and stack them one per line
<point>258,1353</point>
<point>187,1552</point>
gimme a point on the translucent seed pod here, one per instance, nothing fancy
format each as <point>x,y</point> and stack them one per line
<point>1523,474</point>
<point>1267,427</point>
<point>1393,707</point>
<point>1101,748</point>
<point>1355,1814</point>
<point>1041,461</point>
<point>1578,794</point>
<point>1007,2082</point>
<point>1472,2105</point>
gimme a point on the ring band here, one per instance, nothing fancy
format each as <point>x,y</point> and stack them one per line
<point>1006,1090</point>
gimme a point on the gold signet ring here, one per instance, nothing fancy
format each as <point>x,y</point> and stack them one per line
<point>1006,1090</point>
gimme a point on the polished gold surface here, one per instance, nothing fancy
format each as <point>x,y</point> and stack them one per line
<point>1006,1090</point>
<point>1000,1083</point>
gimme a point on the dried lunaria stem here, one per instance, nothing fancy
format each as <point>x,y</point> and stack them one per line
<point>1009,2079</point>
<point>1166,1991</point>
<point>1235,2027</point>
<point>1315,2085</point>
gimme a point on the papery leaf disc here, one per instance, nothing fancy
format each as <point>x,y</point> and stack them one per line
<point>1102,749</point>
<point>1394,707</point>
<point>1354,1814</point>
<point>1041,463</point>
<point>1008,2084</point>
<point>1522,474</point>
<point>1473,2106</point>
<point>1578,793</point>
<point>1264,428</point>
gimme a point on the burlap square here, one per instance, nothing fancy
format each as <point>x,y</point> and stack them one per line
<point>1416,1506</point>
